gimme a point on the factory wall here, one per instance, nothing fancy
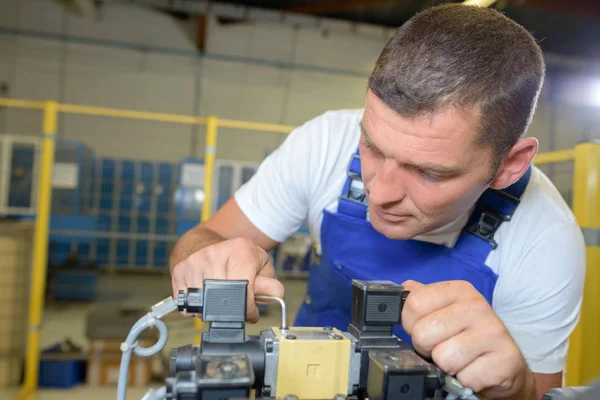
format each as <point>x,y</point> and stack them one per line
<point>138,58</point>
<point>108,71</point>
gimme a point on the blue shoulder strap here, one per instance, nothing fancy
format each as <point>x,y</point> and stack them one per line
<point>353,200</point>
<point>477,239</point>
<point>494,207</point>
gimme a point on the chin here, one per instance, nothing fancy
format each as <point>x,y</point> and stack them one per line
<point>395,231</point>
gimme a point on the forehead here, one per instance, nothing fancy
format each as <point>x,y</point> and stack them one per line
<point>447,127</point>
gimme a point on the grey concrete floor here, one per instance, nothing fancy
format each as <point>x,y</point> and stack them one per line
<point>67,320</point>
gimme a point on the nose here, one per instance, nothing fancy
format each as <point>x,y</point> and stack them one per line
<point>387,185</point>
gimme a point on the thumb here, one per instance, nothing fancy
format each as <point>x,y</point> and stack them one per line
<point>267,286</point>
<point>411,285</point>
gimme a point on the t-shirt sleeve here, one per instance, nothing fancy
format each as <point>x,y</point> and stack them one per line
<point>277,198</point>
<point>540,300</point>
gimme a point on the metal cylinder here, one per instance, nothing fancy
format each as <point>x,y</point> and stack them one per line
<point>255,349</point>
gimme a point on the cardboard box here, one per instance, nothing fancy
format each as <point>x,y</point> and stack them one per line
<point>103,369</point>
<point>104,363</point>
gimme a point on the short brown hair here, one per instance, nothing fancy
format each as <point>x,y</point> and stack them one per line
<point>466,57</point>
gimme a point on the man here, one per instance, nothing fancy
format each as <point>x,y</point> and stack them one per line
<point>431,186</point>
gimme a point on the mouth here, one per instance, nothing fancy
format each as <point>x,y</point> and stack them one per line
<point>389,217</point>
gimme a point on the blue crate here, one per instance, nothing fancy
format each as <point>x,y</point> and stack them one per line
<point>104,223</point>
<point>122,252</point>
<point>141,253</point>
<point>162,226</point>
<point>144,203</point>
<point>73,200</point>
<point>127,170</point>
<point>75,285</point>
<point>103,252</point>
<point>160,255</point>
<point>109,170</point>
<point>61,373</point>
<point>126,204</point>
<point>143,225</point>
<point>83,252</point>
<point>58,251</point>
<point>147,171</point>
<point>165,172</point>
<point>124,224</point>
<point>21,176</point>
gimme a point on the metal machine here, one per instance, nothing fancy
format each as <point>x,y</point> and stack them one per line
<point>308,363</point>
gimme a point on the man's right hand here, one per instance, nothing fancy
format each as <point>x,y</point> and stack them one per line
<point>234,259</point>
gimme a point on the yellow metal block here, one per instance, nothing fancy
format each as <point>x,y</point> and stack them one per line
<point>314,365</point>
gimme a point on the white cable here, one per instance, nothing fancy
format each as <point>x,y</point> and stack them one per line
<point>150,320</point>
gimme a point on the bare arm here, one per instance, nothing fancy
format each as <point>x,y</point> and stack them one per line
<point>545,382</point>
<point>227,223</point>
<point>227,246</point>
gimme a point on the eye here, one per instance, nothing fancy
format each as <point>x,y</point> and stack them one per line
<point>431,176</point>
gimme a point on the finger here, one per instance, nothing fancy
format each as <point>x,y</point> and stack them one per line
<point>426,299</point>
<point>439,326</point>
<point>411,285</point>
<point>481,374</point>
<point>461,350</point>
<point>268,287</point>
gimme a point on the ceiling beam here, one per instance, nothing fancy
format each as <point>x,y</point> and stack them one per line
<point>338,6</point>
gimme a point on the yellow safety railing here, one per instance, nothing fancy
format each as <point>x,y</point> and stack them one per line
<point>51,109</point>
<point>581,366</point>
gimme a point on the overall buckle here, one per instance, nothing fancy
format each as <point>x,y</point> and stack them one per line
<point>353,194</point>
<point>486,226</point>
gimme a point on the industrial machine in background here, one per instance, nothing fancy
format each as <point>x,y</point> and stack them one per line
<point>296,363</point>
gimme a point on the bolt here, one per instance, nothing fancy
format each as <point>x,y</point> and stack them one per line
<point>291,337</point>
<point>327,328</point>
<point>405,388</point>
<point>336,337</point>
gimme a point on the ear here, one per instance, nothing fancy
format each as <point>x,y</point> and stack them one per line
<point>515,163</point>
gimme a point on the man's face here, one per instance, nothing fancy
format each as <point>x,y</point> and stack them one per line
<point>420,174</point>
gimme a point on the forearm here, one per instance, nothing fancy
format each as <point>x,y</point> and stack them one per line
<point>192,241</point>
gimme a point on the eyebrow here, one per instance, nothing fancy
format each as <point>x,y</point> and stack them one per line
<point>441,169</point>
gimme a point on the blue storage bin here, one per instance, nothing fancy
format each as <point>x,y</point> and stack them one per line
<point>109,170</point>
<point>160,255</point>
<point>127,170</point>
<point>141,253</point>
<point>143,225</point>
<point>21,176</point>
<point>147,171</point>
<point>58,251</point>
<point>103,252</point>
<point>124,224</point>
<point>61,373</point>
<point>104,223</point>
<point>165,173</point>
<point>162,226</point>
<point>75,285</point>
<point>73,200</point>
<point>62,366</point>
<point>123,252</point>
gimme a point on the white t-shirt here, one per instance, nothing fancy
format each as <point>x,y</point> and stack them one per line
<point>540,259</point>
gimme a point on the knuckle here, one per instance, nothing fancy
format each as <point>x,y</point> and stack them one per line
<point>419,335</point>
<point>447,357</point>
<point>415,302</point>
<point>477,382</point>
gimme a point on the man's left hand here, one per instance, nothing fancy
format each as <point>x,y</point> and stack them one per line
<point>453,324</point>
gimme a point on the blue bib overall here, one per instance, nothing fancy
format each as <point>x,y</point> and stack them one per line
<point>352,249</point>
